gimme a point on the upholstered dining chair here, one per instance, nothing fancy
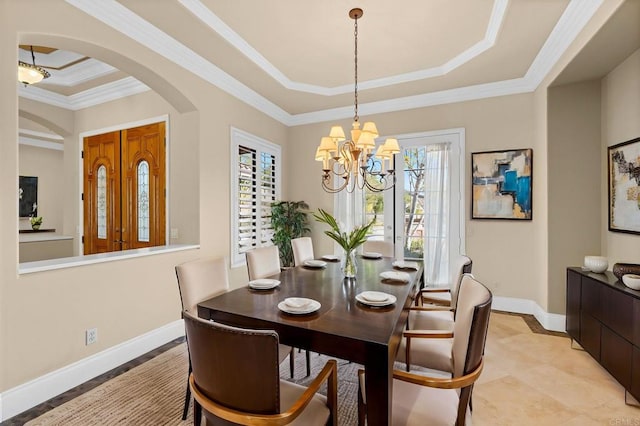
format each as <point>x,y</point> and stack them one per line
<point>445,295</point>
<point>431,347</point>
<point>263,262</point>
<point>302,250</point>
<point>385,248</point>
<point>199,280</point>
<point>235,379</point>
<point>421,399</point>
<point>439,316</point>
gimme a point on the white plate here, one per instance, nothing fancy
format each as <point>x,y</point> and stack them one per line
<point>264,284</point>
<point>405,265</point>
<point>314,263</point>
<point>371,255</point>
<point>395,276</point>
<point>374,296</point>
<point>299,305</point>
<point>330,257</point>
<point>390,299</point>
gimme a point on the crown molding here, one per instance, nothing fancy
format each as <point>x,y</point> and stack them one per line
<point>40,135</point>
<point>107,92</point>
<point>39,143</point>
<point>573,20</point>
<point>82,72</point>
<point>112,13</point>
<point>55,59</point>
<point>200,11</point>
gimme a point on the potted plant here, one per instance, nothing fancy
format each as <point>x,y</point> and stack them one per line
<point>349,242</point>
<point>289,221</point>
<point>36,222</point>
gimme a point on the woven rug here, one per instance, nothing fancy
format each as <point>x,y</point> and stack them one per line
<point>153,393</point>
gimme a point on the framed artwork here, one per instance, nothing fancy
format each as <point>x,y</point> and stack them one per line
<point>624,187</point>
<point>501,184</point>
<point>28,196</point>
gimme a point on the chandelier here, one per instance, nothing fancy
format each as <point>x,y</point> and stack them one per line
<point>353,162</point>
<point>31,73</point>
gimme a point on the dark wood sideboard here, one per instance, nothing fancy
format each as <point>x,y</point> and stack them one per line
<point>603,316</point>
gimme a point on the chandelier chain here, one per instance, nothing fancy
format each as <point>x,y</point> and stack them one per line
<point>355,33</point>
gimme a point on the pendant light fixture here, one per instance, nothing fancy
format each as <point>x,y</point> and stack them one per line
<point>355,162</point>
<point>31,73</point>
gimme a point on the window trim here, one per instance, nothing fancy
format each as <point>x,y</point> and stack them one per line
<point>242,138</point>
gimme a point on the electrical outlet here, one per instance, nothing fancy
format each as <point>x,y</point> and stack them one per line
<point>91,336</point>
<point>174,233</point>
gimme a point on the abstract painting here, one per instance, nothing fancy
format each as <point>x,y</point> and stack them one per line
<point>624,187</point>
<point>501,184</point>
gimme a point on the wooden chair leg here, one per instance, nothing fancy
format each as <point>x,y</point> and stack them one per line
<point>361,406</point>
<point>197,413</point>
<point>187,397</point>
<point>308,363</point>
<point>291,362</point>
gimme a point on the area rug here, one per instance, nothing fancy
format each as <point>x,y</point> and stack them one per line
<point>153,393</point>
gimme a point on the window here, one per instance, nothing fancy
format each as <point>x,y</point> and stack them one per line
<point>424,213</point>
<point>256,184</point>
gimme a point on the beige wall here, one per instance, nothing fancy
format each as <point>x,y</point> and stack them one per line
<point>47,165</point>
<point>500,249</point>
<point>125,298</point>
<point>574,181</point>
<point>620,123</point>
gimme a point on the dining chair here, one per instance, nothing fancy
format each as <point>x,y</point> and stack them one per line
<point>431,347</point>
<point>236,380</point>
<point>264,262</point>
<point>200,280</point>
<point>302,250</point>
<point>385,248</point>
<point>430,316</point>
<point>435,399</point>
<point>445,295</point>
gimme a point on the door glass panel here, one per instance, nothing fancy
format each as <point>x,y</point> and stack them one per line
<point>102,202</point>
<point>414,202</point>
<point>143,201</point>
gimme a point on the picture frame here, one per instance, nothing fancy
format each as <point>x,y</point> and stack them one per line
<point>623,176</point>
<point>501,184</point>
<point>28,196</point>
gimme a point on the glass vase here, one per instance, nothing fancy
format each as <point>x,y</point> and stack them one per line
<point>348,264</point>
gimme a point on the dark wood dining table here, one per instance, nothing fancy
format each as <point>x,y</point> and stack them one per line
<point>342,327</point>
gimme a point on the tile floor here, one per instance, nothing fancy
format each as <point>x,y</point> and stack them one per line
<point>537,379</point>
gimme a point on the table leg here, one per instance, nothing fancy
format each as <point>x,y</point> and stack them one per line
<point>378,388</point>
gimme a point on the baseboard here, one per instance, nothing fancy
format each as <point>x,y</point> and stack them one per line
<point>551,322</point>
<point>16,400</point>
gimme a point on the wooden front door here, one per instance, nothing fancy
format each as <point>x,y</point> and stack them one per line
<point>124,189</point>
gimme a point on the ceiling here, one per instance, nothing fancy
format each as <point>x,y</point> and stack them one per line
<point>294,59</point>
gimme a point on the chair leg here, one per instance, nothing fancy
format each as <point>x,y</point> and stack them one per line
<point>291,362</point>
<point>197,413</point>
<point>308,363</point>
<point>361,406</point>
<point>187,397</point>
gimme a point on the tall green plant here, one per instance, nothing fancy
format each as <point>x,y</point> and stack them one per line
<point>289,220</point>
<point>348,242</point>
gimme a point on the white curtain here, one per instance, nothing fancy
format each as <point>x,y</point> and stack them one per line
<point>436,218</point>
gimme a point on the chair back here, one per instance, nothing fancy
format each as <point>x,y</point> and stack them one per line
<point>201,279</point>
<point>263,262</point>
<point>462,265</point>
<point>235,367</point>
<point>385,248</point>
<point>302,250</point>
<point>471,325</point>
